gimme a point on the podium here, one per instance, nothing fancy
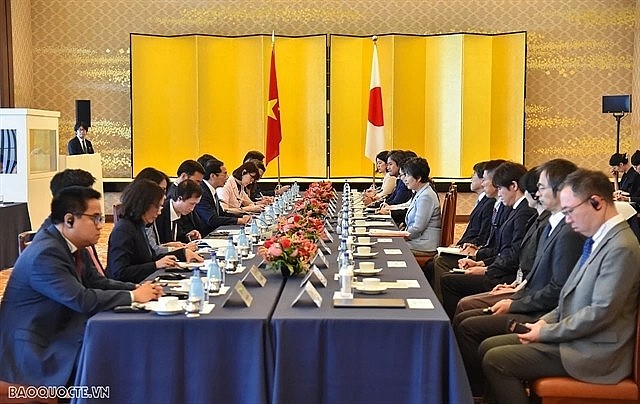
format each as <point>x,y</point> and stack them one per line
<point>29,158</point>
<point>88,162</point>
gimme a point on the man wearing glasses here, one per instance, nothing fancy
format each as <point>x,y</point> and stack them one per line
<point>590,334</point>
<point>46,303</point>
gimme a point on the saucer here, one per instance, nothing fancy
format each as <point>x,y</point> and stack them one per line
<point>359,255</point>
<point>163,311</point>
<point>369,243</point>
<point>190,265</point>
<point>371,290</point>
<point>367,272</point>
<point>360,233</point>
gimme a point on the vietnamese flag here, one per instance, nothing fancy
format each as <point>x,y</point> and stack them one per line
<point>274,130</point>
<point>375,123</point>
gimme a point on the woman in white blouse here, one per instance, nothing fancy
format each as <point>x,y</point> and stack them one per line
<point>233,195</point>
<point>423,216</point>
<point>388,181</point>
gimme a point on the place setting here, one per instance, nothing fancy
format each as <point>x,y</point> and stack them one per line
<point>364,241</point>
<point>367,269</point>
<point>364,251</point>
<point>370,286</point>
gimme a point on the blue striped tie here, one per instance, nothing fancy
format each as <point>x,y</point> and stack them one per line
<point>586,250</point>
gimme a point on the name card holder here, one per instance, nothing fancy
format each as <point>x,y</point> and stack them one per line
<point>310,291</point>
<point>255,273</point>
<point>244,294</point>
<point>326,233</point>
<point>323,258</point>
<point>315,271</point>
<point>327,225</point>
<point>325,246</point>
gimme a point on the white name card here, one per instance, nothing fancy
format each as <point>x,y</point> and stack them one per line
<point>244,293</point>
<point>325,246</point>
<point>424,304</point>
<point>326,233</point>
<point>257,275</point>
<point>315,271</point>
<point>397,264</point>
<point>323,258</point>
<point>393,251</point>
<point>310,291</point>
<point>384,240</point>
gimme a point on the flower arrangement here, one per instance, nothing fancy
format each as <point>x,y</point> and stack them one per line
<point>323,191</point>
<point>310,206</point>
<point>308,227</point>
<point>290,254</point>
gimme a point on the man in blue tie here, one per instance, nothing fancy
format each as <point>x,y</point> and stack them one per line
<point>590,334</point>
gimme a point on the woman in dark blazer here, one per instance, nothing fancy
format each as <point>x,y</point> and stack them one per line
<point>130,257</point>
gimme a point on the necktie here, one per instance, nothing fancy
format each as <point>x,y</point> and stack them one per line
<point>547,230</point>
<point>216,202</point>
<point>84,147</point>
<point>78,259</point>
<point>174,230</point>
<point>586,250</point>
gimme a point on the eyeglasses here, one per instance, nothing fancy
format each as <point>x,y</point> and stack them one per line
<point>97,218</point>
<point>569,211</point>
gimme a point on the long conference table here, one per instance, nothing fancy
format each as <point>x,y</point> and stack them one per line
<point>273,352</point>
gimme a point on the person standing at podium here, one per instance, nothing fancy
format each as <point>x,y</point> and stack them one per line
<point>80,144</point>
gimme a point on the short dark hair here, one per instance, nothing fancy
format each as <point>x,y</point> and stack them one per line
<point>73,199</point>
<point>618,158</point>
<point>138,197</point>
<point>80,124</point>
<point>153,174</point>
<point>397,156</point>
<point>635,158</point>
<point>491,165</point>
<point>557,171</point>
<point>507,173</point>
<point>204,158</point>
<point>382,156</point>
<point>69,177</point>
<point>187,189</point>
<point>190,167</point>
<point>212,167</point>
<point>479,168</point>
<point>417,167</point>
<point>246,168</point>
<point>585,183</point>
<point>410,153</point>
<point>529,181</point>
<point>253,155</point>
<point>258,164</point>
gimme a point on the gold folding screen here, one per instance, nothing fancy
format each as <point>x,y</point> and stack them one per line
<point>202,94</point>
<point>455,99</point>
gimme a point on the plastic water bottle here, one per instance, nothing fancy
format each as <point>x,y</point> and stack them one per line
<point>214,276</point>
<point>243,244</point>
<point>346,280</point>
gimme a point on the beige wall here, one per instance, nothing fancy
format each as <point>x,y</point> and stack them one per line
<point>578,50</point>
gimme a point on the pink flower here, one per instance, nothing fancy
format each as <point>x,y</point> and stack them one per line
<point>275,250</point>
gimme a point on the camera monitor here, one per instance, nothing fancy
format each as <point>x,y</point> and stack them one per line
<point>616,103</point>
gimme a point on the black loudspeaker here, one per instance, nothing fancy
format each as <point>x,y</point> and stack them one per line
<point>83,111</point>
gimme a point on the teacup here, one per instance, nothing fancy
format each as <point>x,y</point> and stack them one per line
<point>361,223</point>
<point>364,240</point>
<point>168,302</point>
<point>361,230</point>
<point>371,283</point>
<point>367,266</point>
<point>364,249</point>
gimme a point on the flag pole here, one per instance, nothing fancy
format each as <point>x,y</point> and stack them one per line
<point>373,176</point>
<point>273,45</point>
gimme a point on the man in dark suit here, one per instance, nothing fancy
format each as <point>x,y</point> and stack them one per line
<point>443,263</point>
<point>177,221</point>
<point>209,211</point>
<point>46,305</point>
<point>187,170</point>
<point>80,144</point>
<point>590,334</point>
<point>557,253</point>
<point>479,226</point>
<point>483,275</point>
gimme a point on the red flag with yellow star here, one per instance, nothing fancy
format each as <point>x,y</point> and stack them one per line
<point>274,131</point>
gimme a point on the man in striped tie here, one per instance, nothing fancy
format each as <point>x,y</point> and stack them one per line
<point>595,320</point>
